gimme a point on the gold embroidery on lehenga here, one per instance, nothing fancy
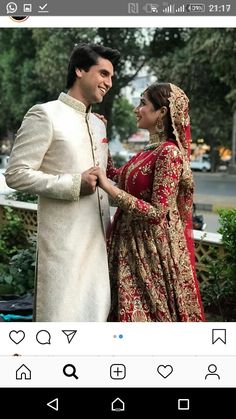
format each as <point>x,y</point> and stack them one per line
<point>149,260</point>
<point>146,169</point>
<point>134,178</point>
<point>138,316</point>
<point>134,165</point>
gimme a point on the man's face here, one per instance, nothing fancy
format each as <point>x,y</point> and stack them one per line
<point>96,82</point>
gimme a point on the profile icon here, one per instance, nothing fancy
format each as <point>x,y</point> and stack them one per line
<point>212,368</point>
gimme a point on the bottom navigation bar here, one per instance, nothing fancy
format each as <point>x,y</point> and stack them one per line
<point>128,372</point>
<point>118,402</point>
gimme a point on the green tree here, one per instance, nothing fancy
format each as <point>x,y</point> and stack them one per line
<point>123,118</point>
<point>135,53</point>
<point>18,79</point>
<point>53,48</point>
<point>202,62</point>
<point>33,65</point>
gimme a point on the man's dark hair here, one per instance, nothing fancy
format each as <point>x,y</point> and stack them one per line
<point>85,56</point>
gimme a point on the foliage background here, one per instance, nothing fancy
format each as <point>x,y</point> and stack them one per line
<point>33,67</point>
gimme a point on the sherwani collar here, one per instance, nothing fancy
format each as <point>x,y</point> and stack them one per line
<point>73,103</point>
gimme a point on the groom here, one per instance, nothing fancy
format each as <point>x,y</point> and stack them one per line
<point>56,145</point>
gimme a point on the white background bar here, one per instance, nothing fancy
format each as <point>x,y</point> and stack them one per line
<point>132,339</point>
<point>122,21</point>
<point>133,372</point>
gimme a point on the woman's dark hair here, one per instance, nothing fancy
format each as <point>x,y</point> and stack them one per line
<point>158,94</point>
<point>85,56</point>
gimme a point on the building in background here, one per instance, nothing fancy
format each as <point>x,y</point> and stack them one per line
<point>133,91</point>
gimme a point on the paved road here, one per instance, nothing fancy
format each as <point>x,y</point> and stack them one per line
<point>215,190</point>
<point>215,184</point>
<point>212,221</point>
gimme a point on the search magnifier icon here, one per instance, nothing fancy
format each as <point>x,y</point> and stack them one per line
<point>70,371</point>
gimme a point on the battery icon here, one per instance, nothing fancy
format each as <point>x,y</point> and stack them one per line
<point>195,7</point>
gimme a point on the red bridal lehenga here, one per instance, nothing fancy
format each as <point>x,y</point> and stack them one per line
<point>150,245</point>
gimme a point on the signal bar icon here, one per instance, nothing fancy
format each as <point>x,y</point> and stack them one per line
<point>169,8</point>
<point>180,9</point>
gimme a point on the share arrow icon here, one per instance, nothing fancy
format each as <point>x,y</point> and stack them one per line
<point>69,334</point>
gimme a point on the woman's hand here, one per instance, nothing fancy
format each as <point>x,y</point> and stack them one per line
<point>104,183</point>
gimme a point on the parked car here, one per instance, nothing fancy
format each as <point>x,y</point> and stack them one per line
<point>202,163</point>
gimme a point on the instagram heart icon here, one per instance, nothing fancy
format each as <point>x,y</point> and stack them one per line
<point>17,336</point>
<point>164,370</point>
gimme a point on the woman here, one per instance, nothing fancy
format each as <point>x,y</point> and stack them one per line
<point>151,252</point>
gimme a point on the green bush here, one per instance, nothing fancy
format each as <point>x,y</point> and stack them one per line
<point>12,235</point>
<point>19,274</point>
<point>219,294</point>
<point>17,256</point>
<point>23,196</point>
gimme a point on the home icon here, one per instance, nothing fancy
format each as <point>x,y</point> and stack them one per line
<point>117,405</point>
<point>23,373</point>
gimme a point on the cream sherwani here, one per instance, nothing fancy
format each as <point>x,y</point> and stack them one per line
<point>56,142</point>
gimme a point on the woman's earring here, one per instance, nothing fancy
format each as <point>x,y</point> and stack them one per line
<point>160,127</point>
<point>160,130</point>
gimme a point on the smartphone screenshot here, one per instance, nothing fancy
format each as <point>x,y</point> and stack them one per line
<point>117,208</point>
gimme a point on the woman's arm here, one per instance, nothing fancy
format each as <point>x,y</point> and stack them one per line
<point>167,174</point>
<point>112,171</point>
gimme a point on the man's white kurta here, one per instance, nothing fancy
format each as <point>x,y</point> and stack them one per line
<point>56,143</point>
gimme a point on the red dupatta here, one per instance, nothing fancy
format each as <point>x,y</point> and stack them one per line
<point>179,113</point>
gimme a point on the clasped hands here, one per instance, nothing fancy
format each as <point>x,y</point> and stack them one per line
<point>91,178</point>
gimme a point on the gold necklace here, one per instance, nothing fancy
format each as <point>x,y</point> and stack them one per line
<point>155,140</point>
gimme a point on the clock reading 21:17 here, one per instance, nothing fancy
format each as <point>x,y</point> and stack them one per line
<point>219,8</point>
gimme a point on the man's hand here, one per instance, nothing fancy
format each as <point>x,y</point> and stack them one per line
<point>88,182</point>
<point>102,180</point>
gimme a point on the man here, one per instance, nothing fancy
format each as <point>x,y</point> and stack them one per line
<point>56,145</point>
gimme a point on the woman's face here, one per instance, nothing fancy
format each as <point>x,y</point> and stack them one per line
<point>146,115</point>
